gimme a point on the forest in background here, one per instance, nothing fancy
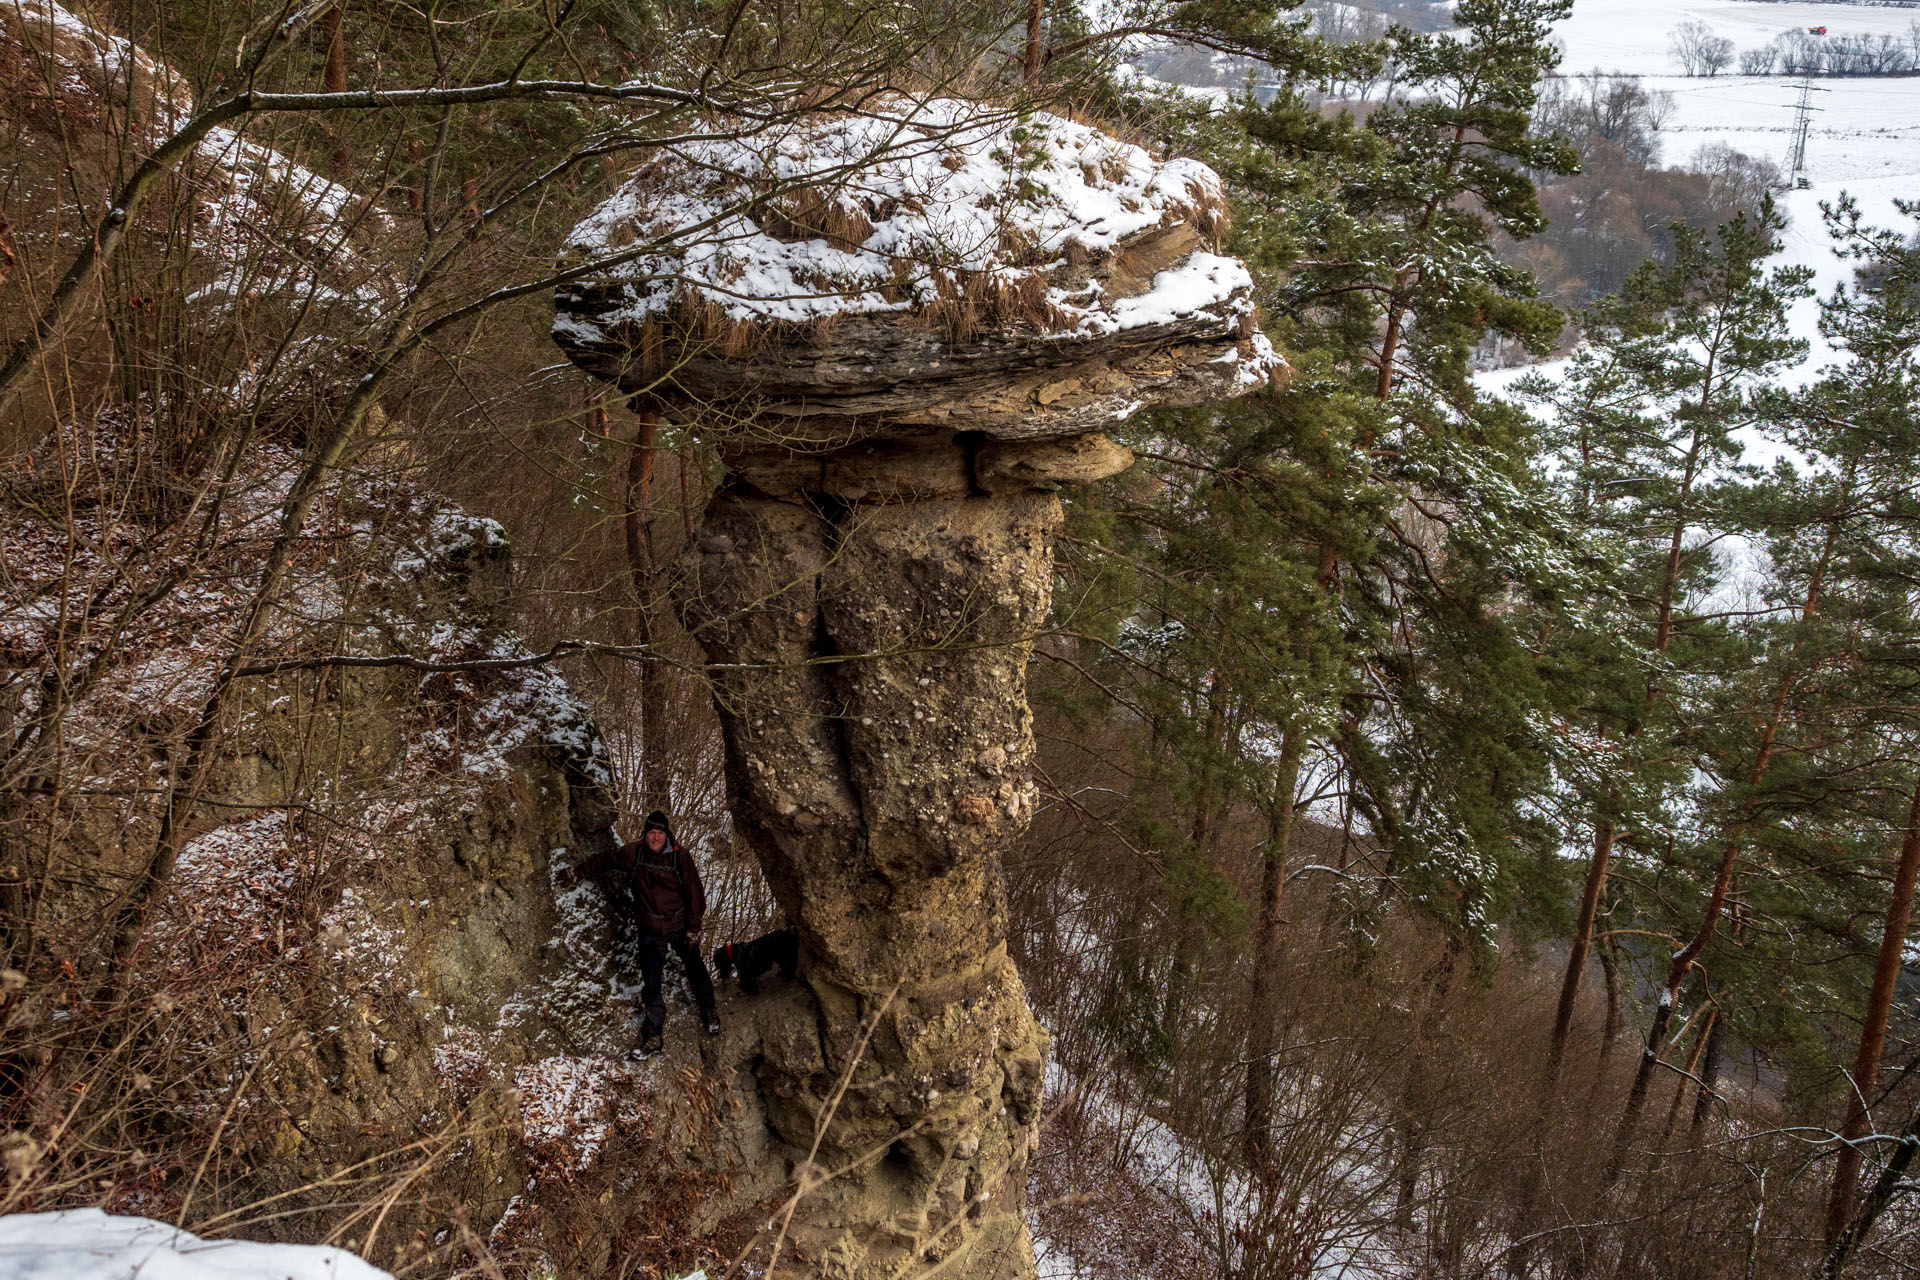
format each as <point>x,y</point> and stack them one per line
<point>1482,831</point>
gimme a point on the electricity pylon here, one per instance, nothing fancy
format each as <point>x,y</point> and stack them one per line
<point>1803,122</point>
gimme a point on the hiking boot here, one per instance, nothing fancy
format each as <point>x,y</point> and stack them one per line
<point>712,1022</point>
<point>650,1047</point>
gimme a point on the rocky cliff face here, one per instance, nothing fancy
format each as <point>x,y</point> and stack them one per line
<point>359,979</point>
<point>361,971</point>
<point>870,664</point>
<point>905,334</point>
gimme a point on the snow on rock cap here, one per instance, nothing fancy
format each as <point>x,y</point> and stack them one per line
<point>936,263</point>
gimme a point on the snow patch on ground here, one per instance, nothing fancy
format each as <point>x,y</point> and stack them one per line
<point>87,1244</point>
<point>570,1107</point>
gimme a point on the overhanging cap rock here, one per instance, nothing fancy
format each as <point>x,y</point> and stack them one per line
<point>926,264</point>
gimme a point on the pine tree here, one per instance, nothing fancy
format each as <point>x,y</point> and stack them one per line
<point>1397,507</point>
<point>1859,425</point>
<point>1696,340</point>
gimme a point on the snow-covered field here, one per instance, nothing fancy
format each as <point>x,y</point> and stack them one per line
<point>1633,33</point>
<point>1866,128</point>
<point>1866,142</point>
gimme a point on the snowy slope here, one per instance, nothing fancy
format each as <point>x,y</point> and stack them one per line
<point>1866,127</point>
<point>1866,141</point>
<point>86,1244</point>
<point>1805,244</point>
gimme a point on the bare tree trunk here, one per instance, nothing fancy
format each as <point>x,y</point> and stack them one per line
<point>334,79</point>
<point>1581,945</point>
<point>1609,953</point>
<point>1266,952</point>
<point>336,71</point>
<point>1610,974</point>
<point>1036,47</point>
<point>1200,835</point>
<point>1411,1123</point>
<point>1708,1030</point>
<point>1873,1032</point>
<point>1704,1099</point>
<point>656,791</point>
<point>1519,1256</point>
<point>1390,342</point>
<point>14,875</point>
<point>1677,972</point>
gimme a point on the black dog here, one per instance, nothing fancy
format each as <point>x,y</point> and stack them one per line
<point>753,959</point>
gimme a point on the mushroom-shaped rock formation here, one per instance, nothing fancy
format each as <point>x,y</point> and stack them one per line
<point>935,265</point>
<point>905,331</point>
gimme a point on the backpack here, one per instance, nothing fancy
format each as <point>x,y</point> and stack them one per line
<point>640,859</point>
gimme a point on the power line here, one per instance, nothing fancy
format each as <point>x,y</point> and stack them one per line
<point>1803,119</point>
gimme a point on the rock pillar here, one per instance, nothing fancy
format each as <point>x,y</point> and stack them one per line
<point>905,327</point>
<point>868,617</point>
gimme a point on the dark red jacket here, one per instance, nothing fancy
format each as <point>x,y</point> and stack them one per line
<point>665,887</point>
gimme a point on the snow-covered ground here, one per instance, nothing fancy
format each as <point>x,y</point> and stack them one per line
<point>1866,127</point>
<point>86,1244</point>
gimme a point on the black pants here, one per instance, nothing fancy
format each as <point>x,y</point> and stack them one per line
<point>653,962</point>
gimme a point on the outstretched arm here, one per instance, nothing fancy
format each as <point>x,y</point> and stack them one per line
<point>593,866</point>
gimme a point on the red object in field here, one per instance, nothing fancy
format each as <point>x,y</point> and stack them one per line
<point>1816,31</point>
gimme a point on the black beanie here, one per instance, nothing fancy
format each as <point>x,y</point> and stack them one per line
<point>656,820</point>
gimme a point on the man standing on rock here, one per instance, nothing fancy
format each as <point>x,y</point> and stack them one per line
<point>668,904</point>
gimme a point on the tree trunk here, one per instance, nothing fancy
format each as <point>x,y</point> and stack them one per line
<point>1390,343</point>
<point>1578,952</point>
<point>1036,47</point>
<point>1723,879</point>
<point>1707,1031</point>
<point>1885,1187</point>
<point>1642,1080</point>
<point>1200,835</point>
<point>1520,1255</point>
<point>334,78</point>
<point>656,791</point>
<point>1266,952</point>
<point>1610,974</point>
<point>1873,1032</point>
<point>1412,1120</point>
<point>1609,953</point>
<point>1704,1099</point>
<point>1677,972</point>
